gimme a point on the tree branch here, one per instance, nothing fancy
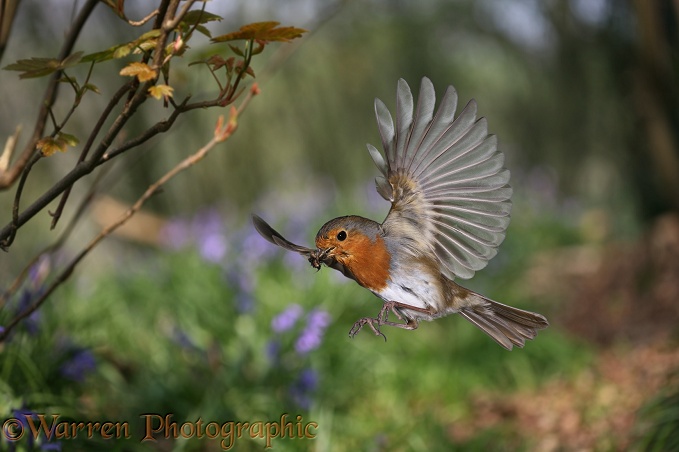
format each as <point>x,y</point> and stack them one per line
<point>221,134</point>
<point>88,145</point>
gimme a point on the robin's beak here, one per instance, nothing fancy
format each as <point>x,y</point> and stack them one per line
<point>318,256</point>
<point>324,253</point>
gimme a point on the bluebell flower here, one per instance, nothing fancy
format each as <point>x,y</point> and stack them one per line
<point>208,232</point>
<point>286,319</point>
<point>273,349</point>
<point>80,363</point>
<point>32,322</point>
<point>175,234</point>
<point>242,281</point>
<point>253,249</point>
<point>21,414</point>
<point>303,387</point>
<point>312,336</point>
<point>51,445</point>
<point>212,247</point>
<point>38,272</point>
<point>180,337</point>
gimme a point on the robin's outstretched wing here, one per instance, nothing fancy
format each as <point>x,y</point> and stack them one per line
<point>444,177</point>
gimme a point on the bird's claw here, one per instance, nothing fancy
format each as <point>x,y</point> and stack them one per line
<point>374,324</point>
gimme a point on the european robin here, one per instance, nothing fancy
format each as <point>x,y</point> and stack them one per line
<point>450,206</point>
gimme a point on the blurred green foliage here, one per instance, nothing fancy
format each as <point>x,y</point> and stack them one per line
<point>177,335</point>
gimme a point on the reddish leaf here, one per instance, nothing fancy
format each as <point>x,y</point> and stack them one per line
<point>48,146</point>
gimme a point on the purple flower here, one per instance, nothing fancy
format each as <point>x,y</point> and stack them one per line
<point>273,349</point>
<point>80,363</point>
<point>182,339</point>
<point>212,247</point>
<point>312,336</point>
<point>21,414</point>
<point>32,322</point>
<point>39,271</point>
<point>208,231</point>
<point>242,280</point>
<point>253,248</point>
<point>286,319</point>
<point>301,390</point>
<point>175,234</point>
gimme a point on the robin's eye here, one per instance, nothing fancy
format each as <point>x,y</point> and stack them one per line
<point>341,235</point>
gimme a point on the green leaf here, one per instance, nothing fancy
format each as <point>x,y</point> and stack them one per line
<point>72,60</point>
<point>197,17</point>
<point>203,30</point>
<point>93,88</point>
<point>236,50</point>
<point>39,67</point>
<point>262,31</point>
<point>67,138</point>
<point>145,41</point>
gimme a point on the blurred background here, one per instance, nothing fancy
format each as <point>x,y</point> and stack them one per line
<point>188,311</point>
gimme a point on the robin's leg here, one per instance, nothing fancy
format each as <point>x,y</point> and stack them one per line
<point>382,319</point>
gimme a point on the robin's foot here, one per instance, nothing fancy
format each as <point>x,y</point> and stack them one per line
<point>373,323</point>
<point>383,316</point>
<point>383,319</point>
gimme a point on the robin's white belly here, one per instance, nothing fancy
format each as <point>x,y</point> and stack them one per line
<point>416,288</point>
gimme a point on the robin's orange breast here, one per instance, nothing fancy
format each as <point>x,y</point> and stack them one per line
<point>368,260</point>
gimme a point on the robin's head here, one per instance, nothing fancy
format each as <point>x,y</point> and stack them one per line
<point>345,236</point>
<point>357,244</point>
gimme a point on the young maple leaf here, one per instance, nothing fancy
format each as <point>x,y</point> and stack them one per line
<point>142,71</point>
<point>159,91</point>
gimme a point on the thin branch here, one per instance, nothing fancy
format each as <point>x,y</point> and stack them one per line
<point>88,145</point>
<point>221,134</point>
<point>172,24</point>
<point>52,247</point>
<point>8,178</point>
<point>14,225</point>
<point>159,127</point>
<point>139,23</point>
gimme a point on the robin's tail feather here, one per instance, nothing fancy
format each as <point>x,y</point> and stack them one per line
<point>508,326</point>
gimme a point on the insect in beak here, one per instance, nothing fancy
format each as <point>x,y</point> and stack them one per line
<point>317,257</point>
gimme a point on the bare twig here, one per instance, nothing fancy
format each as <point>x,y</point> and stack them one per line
<point>139,23</point>
<point>14,225</point>
<point>88,145</point>
<point>172,24</point>
<point>222,133</point>
<point>52,247</point>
